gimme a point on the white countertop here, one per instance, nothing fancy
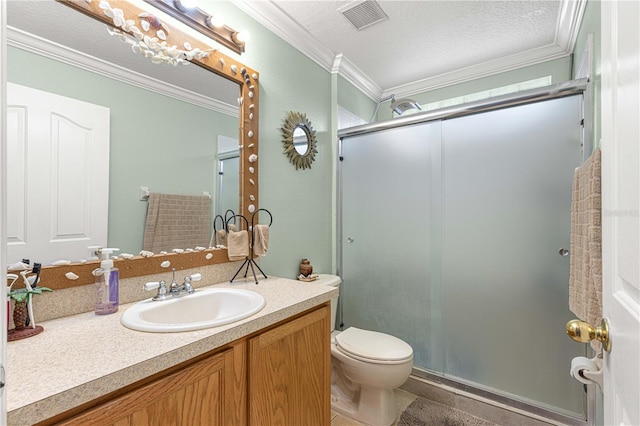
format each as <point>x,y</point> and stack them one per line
<point>82,357</point>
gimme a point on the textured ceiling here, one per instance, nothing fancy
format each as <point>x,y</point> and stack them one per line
<point>423,45</point>
<point>423,39</point>
<point>429,43</point>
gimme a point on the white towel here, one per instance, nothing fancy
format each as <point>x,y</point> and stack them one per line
<point>238,245</point>
<point>260,240</point>
<point>221,237</point>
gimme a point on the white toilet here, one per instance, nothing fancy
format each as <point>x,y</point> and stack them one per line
<point>365,368</point>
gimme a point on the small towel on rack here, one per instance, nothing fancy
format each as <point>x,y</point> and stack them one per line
<point>238,245</point>
<point>177,221</point>
<point>221,235</point>
<point>585,272</point>
<point>260,240</point>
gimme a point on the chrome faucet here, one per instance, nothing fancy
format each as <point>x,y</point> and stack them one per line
<point>174,289</point>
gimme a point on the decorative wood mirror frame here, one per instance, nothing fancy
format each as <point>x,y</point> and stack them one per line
<point>222,65</point>
<point>298,120</point>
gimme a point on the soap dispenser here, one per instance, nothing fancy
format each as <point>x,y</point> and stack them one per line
<point>107,283</point>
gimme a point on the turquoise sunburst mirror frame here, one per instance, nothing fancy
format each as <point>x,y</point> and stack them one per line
<point>299,140</point>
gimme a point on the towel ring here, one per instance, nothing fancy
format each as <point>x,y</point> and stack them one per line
<point>264,210</point>
<point>226,217</point>
<point>234,220</point>
<point>215,229</point>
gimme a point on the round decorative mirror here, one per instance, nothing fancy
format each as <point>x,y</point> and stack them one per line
<point>299,140</point>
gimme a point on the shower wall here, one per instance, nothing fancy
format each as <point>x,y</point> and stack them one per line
<point>451,232</point>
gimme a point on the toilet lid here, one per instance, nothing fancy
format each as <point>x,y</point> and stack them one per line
<point>373,345</point>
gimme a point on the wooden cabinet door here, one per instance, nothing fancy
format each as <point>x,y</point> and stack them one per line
<point>290,373</point>
<point>208,392</point>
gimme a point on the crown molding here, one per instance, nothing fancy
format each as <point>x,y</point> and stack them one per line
<point>571,13</point>
<point>34,44</point>
<point>486,69</point>
<point>346,69</point>
<point>269,15</point>
<point>273,18</point>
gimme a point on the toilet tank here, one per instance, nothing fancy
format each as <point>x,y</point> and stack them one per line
<point>333,281</point>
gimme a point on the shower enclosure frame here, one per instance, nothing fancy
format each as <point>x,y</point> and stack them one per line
<point>570,88</point>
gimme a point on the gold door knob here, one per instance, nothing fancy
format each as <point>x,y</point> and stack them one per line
<point>583,332</point>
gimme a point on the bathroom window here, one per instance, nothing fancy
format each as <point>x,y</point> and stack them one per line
<point>348,119</point>
<point>498,91</point>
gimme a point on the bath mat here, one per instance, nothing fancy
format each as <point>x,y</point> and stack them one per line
<point>424,412</point>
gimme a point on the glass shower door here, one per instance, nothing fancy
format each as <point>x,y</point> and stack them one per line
<point>506,214</point>
<point>389,269</point>
<point>450,240</point>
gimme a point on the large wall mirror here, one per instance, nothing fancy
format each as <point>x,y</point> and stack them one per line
<point>164,138</point>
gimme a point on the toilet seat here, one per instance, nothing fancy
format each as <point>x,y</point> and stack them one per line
<point>373,347</point>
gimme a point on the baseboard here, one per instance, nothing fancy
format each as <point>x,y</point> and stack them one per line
<point>500,412</point>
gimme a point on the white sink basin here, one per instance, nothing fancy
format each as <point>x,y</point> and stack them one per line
<point>203,309</point>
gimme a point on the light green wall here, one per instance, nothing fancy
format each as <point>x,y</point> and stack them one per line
<point>558,69</point>
<point>300,201</point>
<point>591,26</point>
<point>354,100</point>
<point>156,141</point>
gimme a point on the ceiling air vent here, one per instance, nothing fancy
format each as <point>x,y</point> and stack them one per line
<point>363,14</point>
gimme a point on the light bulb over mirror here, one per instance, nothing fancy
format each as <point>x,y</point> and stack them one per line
<point>215,21</point>
<point>186,4</point>
<point>242,36</point>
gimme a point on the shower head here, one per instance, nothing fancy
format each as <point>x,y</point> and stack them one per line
<point>401,105</point>
<point>391,98</point>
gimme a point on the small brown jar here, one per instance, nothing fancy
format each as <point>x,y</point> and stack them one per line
<point>305,268</point>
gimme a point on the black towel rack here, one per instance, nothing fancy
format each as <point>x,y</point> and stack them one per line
<point>225,224</point>
<point>249,260</point>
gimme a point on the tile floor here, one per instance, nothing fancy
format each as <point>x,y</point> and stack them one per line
<point>403,399</point>
<point>468,412</point>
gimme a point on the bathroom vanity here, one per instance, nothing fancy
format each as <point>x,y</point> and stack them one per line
<point>271,368</point>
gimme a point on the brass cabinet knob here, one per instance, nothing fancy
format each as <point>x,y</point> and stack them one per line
<point>583,332</point>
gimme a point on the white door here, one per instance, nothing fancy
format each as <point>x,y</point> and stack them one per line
<point>57,176</point>
<point>3,234</point>
<point>620,210</point>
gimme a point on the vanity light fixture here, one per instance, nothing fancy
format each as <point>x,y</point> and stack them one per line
<point>211,26</point>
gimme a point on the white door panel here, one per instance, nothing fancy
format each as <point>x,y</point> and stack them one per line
<point>58,175</point>
<point>621,209</point>
<point>3,214</point>
<point>16,168</point>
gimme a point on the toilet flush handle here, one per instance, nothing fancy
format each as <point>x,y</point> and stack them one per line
<point>349,240</point>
